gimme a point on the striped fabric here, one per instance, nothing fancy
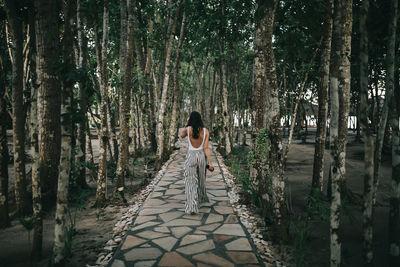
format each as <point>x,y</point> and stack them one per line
<point>195,178</point>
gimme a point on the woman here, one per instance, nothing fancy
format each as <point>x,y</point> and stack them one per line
<point>195,164</point>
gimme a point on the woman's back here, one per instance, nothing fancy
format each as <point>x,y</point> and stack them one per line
<point>196,143</point>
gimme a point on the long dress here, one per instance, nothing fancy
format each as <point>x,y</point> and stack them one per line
<point>195,176</point>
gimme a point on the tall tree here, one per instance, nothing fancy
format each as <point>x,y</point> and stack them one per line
<point>380,135</point>
<point>164,89</point>
<point>37,216</point>
<point>60,229</point>
<point>268,169</point>
<point>49,97</point>
<point>223,81</point>
<point>340,105</point>
<point>319,159</point>
<point>367,136</point>
<point>101,193</point>
<point>4,219</point>
<point>15,21</point>
<point>174,113</point>
<point>125,101</point>
<point>272,122</point>
<point>394,203</point>
<point>82,94</point>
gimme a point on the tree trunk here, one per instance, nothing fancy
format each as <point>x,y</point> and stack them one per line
<point>164,92</point>
<point>173,125</point>
<point>4,219</point>
<point>267,171</point>
<point>124,105</point>
<point>320,137</point>
<point>394,203</point>
<point>223,79</point>
<point>368,139</point>
<point>388,96</point>
<point>60,228</point>
<point>101,193</point>
<point>80,157</point>
<point>49,98</point>
<point>340,105</point>
<point>15,21</point>
<point>37,216</point>
<point>296,106</point>
<point>272,122</point>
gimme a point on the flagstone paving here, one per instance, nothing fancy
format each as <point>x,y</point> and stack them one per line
<point>163,235</point>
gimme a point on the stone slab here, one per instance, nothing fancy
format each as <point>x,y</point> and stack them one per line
<point>142,254</point>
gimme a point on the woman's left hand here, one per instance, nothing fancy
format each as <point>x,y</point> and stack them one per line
<point>211,168</point>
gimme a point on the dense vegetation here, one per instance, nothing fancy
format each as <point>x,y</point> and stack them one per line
<point>132,71</point>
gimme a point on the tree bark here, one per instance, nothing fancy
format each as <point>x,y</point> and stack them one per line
<point>320,137</point>
<point>223,78</point>
<point>101,193</point>
<point>388,95</point>
<point>4,157</point>
<point>82,94</point>
<point>15,21</point>
<point>368,139</point>
<point>394,202</point>
<point>173,125</point>
<point>49,100</point>
<point>164,91</point>
<point>60,228</point>
<point>340,105</point>
<point>37,216</point>
<point>124,105</point>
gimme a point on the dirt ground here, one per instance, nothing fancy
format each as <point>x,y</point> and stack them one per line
<point>93,228</point>
<point>299,175</point>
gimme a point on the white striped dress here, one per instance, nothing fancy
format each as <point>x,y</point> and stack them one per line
<point>195,176</point>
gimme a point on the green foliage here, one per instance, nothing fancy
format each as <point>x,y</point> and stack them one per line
<point>317,207</point>
<point>300,231</point>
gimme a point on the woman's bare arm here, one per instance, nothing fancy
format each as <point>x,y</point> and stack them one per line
<point>183,134</point>
<point>207,151</point>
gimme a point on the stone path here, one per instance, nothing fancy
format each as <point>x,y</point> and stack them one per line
<point>163,235</point>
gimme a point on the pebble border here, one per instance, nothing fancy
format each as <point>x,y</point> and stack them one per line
<point>123,225</point>
<point>273,255</point>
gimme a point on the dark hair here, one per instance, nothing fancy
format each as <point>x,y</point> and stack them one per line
<point>196,123</point>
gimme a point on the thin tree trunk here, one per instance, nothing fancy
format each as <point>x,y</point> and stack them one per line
<point>272,120</point>
<point>223,85</point>
<point>390,56</point>
<point>341,93</point>
<point>320,137</point>
<point>4,157</point>
<point>173,125</point>
<point>296,106</point>
<point>124,105</point>
<point>60,228</point>
<point>18,119</point>
<point>37,216</point>
<point>164,92</point>
<point>368,139</point>
<point>333,186</point>
<point>101,193</point>
<point>49,98</point>
<point>80,157</point>
<point>394,203</point>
